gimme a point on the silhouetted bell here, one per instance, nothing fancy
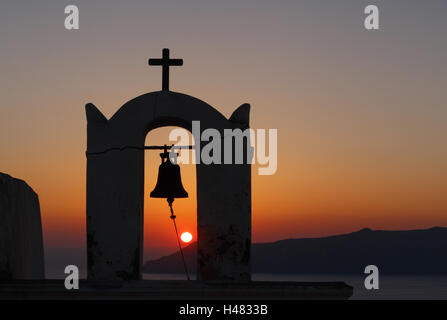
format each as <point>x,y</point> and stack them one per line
<point>169,182</point>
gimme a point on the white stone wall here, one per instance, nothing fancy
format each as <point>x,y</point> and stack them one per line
<point>21,243</point>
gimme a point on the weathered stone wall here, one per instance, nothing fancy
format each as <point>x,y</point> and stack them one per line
<point>21,243</point>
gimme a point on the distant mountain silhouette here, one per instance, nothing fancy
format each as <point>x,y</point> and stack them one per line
<point>394,252</point>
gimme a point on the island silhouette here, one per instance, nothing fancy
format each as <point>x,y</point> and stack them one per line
<point>393,252</point>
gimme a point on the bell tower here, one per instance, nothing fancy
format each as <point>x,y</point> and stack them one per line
<point>115,188</point>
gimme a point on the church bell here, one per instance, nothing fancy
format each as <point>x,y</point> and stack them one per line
<point>169,182</point>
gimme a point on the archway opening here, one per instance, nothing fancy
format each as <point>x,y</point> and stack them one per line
<point>161,258</point>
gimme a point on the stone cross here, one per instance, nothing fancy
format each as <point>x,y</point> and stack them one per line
<point>165,62</point>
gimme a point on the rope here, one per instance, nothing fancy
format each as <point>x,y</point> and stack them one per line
<point>178,239</point>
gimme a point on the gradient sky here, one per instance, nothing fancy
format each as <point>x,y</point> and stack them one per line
<point>361,115</point>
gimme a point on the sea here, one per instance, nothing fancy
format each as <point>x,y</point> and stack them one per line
<point>391,287</point>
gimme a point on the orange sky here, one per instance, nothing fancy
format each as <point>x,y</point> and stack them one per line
<point>361,116</point>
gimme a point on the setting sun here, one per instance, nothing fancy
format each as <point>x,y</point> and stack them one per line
<point>186,237</point>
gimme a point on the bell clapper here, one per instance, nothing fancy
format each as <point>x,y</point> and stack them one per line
<point>170,201</point>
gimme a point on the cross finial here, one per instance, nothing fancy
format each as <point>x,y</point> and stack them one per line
<point>165,62</point>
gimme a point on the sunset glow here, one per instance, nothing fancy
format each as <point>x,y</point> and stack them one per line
<point>361,118</point>
<point>186,237</point>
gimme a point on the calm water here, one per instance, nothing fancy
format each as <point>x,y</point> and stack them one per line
<point>390,287</point>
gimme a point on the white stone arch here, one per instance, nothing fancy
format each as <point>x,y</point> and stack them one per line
<point>115,190</point>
